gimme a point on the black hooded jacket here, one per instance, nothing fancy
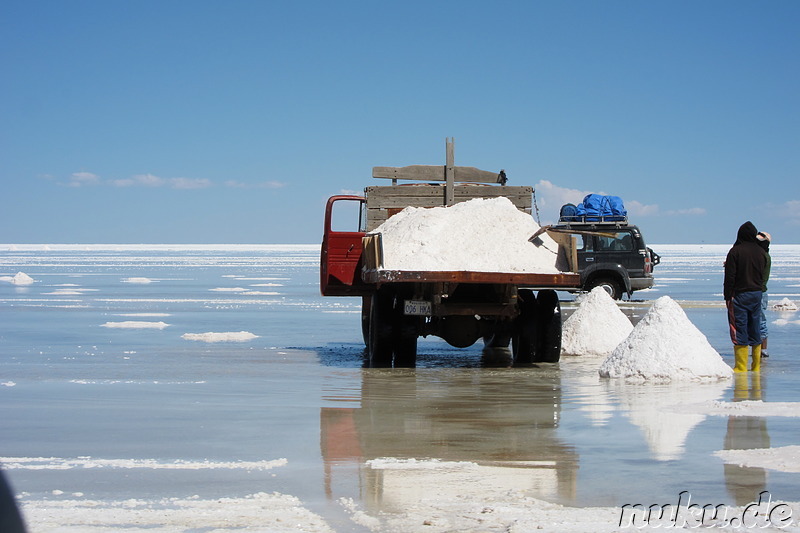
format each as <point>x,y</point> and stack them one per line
<point>745,264</point>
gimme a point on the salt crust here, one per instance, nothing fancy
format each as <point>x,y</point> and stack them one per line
<point>665,346</point>
<point>135,324</point>
<point>783,459</point>
<point>480,235</point>
<point>59,463</point>
<point>225,336</point>
<point>596,327</point>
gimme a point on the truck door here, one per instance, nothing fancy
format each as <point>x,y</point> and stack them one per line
<point>340,261</point>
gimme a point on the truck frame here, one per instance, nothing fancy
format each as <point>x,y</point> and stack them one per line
<point>398,306</point>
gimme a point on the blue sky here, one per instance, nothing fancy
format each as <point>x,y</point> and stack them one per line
<point>232,122</point>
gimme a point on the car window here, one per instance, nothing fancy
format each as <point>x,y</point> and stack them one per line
<point>583,243</point>
<point>615,242</point>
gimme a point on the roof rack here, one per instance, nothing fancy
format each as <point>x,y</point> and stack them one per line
<point>592,221</point>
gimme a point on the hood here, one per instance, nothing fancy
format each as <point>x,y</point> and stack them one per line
<point>747,233</point>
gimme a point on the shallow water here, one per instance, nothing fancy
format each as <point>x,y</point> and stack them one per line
<point>72,387</point>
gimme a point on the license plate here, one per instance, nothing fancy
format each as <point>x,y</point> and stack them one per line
<point>417,307</point>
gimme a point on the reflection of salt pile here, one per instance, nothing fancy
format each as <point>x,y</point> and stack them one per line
<point>785,305</point>
<point>482,235</point>
<point>656,411</point>
<point>596,327</point>
<point>665,346</point>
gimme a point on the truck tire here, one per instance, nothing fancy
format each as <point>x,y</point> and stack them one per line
<point>366,304</point>
<point>379,345</point>
<point>524,340</point>
<point>611,286</point>
<point>405,341</point>
<point>392,335</point>
<point>548,325</point>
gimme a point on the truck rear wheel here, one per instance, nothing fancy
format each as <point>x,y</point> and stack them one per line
<point>548,325</point>
<point>379,345</point>
<point>524,340</point>
<point>392,335</point>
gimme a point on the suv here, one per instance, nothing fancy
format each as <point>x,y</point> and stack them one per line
<point>612,255</point>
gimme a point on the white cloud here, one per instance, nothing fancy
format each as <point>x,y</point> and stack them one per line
<point>550,197</point>
<point>82,179</point>
<point>79,179</point>
<point>145,180</point>
<point>639,209</point>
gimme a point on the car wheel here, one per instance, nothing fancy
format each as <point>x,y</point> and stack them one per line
<point>611,286</point>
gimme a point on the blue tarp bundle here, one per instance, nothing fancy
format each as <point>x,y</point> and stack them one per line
<point>596,207</point>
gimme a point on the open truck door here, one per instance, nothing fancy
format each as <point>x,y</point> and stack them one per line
<point>340,261</point>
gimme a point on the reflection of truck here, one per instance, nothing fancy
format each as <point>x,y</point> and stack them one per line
<point>499,431</point>
<point>521,309</point>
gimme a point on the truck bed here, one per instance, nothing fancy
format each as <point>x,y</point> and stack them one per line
<point>372,272</point>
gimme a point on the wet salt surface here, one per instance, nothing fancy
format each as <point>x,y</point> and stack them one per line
<point>93,416</point>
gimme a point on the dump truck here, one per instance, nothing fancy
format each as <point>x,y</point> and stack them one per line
<point>516,309</point>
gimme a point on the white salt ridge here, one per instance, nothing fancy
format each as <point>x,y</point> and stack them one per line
<point>596,327</point>
<point>137,280</point>
<point>228,336</point>
<point>665,346</point>
<point>20,278</point>
<point>481,235</point>
<point>135,324</point>
<point>60,463</point>
<point>784,459</point>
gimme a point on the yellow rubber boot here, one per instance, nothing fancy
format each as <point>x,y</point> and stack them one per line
<point>740,358</point>
<point>756,367</point>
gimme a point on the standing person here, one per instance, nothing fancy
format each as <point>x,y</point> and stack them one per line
<point>764,239</point>
<point>744,281</point>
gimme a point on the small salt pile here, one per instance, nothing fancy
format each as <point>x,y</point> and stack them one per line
<point>596,327</point>
<point>665,346</point>
<point>480,235</point>
<point>21,278</point>
<point>785,305</point>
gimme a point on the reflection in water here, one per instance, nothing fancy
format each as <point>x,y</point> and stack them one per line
<point>652,409</point>
<point>439,432</point>
<point>746,433</point>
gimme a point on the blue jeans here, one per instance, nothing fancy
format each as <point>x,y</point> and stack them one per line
<point>764,304</point>
<point>744,318</point>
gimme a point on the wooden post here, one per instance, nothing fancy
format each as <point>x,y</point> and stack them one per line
<point>449,172</point>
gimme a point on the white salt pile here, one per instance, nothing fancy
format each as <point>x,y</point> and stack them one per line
<point>596,327</point>
<point>785,305</point>
<point>665,346</point>
<point>21,278</point>
<point>482,235</point>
